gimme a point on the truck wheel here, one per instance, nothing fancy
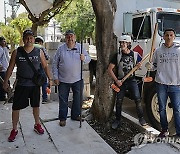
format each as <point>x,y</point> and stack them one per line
<point>152,109</point>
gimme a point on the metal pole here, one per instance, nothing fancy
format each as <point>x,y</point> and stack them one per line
<point>81,88</point>
<point>4,12</point>
<point>54,24</point>
<point>13,16</point>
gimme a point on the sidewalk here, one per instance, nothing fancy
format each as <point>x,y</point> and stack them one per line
<point>152,148</point>
<point>67,140</point>
<point>155,149</point>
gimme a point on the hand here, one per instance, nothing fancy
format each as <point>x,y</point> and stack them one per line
<point>119,83</point>
<point>82,57</point>
<point>50,83</point>
<point>48,90</point>
<point>56,82</point>
<point>139,64</point>
<point>6,86</point>
<point>149,65</point>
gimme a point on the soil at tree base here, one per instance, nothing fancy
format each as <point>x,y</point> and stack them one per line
<point>122,139</point>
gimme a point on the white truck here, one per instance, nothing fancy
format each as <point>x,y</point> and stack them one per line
<point>132,18</point>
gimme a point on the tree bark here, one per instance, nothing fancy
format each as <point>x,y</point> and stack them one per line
<point>106,45</point>
<point>34,28</point>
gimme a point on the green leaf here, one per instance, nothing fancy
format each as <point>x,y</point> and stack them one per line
<point>80,17</point>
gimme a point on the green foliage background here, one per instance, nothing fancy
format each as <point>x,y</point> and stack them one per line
<point>80,17</point>
<point>14,29</point>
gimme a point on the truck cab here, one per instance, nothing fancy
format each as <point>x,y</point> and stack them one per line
<point>140,26</point>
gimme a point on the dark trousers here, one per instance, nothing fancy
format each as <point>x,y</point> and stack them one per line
<point>132,86</point>
<point>2,92</point>
<point>64,89</point>
<point>44,93</point>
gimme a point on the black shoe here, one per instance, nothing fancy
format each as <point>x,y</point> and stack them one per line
<point>44,101</point>
<point>142,121</point>
<point>163,133</point>
<point>116,124</point>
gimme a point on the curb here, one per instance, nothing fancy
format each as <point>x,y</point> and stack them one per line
<point>135,121</point>
<point>147,128</point>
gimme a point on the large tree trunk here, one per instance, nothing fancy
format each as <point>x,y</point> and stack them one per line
<point>12,47</point>
<point>106,45</point>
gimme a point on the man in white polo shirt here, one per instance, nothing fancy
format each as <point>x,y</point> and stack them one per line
<point>66,69</point>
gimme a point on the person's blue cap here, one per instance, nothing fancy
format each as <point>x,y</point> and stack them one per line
<point>69,32</point>
<point>28,32</point>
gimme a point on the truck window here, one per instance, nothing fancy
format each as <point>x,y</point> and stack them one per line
<point>168,20</point>
<point>127,26</point>
<point>145,31</point>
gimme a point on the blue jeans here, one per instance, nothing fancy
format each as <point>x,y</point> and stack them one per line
<point>64,89</point>
<point>133,88</point>
<point>163,91</point>
<point>44,93</point>
<point>44,86</point>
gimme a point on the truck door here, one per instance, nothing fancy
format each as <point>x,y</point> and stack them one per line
<point>142,34</point>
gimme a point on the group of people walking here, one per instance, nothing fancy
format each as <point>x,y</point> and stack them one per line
<point>67,74</point>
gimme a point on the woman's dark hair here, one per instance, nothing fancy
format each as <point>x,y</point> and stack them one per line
<point>129,45</point>
<point>2,38</point>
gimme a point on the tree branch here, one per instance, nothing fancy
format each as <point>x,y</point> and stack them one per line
<point>57,6</point>
<point>114,5</point>
<point>66,6</point>
<point>42,19</point>
<point>32,17</point>
<point>48,14</point>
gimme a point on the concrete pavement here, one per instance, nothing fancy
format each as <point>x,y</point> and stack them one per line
<point>149,143</point>
<point>67,140</point>
<point>155,148</point>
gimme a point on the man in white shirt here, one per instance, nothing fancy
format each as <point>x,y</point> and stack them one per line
<point>66,69</point>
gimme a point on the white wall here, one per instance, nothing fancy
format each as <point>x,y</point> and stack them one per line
<point>52,32</point>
